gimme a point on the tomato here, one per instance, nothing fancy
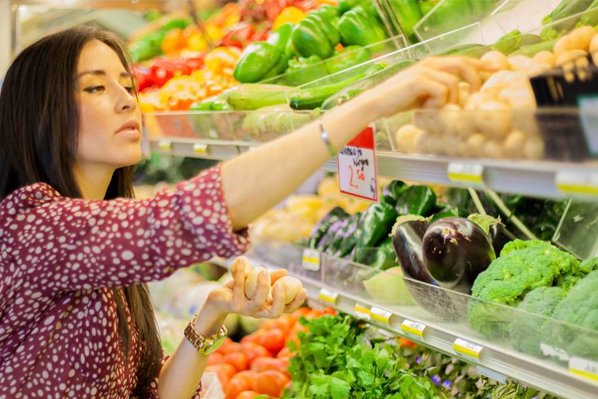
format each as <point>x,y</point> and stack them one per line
<point>224,372</point>
<point>285,323</point>
<point>405,342</point>
<point>236,385</point>
<point>273,340</point>
<point>238,360</point>
<point>285,353</point>
<point>253,351</point>
<point>314,314</point>
<point>232,347</point>
<point>297,314</point>
<point>330,311</point>
<point>215,358</point>
<point>297,328</point>
<point>248,395</point>
<point>269,382</point>
<point>265,363</point>
<point>246,375</point>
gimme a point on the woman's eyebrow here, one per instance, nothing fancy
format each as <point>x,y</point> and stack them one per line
<point>100,72</point>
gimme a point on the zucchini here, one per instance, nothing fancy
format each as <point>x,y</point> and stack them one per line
<point>251,96</point>
<point>530,51</point>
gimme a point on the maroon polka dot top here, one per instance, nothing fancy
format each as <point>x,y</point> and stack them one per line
<point>60,259</point>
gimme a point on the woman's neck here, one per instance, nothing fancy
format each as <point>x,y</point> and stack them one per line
<point>93,180</point>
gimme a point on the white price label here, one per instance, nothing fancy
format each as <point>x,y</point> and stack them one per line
<point>467,349</point>
<point>311,259</point>
<point>467,174</point>
<point>492,374</point>
<point>381,315</point>
<point>577,184</point>
<point>357,171</point>
<point>413,328</point>
<point>328,296</point>
<point>361,311</point>
<point>201,149</point>
<point>165,145</point>
<point>583,367</point>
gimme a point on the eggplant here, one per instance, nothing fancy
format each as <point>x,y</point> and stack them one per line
<point>496,230</point>
<point>455,252</point>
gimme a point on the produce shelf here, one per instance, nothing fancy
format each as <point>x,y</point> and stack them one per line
<point>136,5</point>
<point>442,325</point>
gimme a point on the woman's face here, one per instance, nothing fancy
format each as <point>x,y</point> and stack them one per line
<point>110,125</point>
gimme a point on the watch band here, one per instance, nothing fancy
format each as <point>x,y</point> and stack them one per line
<point>204,345</point>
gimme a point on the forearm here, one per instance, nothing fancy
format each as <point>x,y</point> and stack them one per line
<point>181,373</point>
<point>257,181</point>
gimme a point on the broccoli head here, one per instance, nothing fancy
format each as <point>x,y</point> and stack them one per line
<point>578,309</point>
<point>527,329</point>
<point>523,266</point>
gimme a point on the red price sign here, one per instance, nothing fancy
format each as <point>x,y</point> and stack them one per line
<point>357,171</point>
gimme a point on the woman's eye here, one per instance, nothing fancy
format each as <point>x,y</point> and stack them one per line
<point>95,89</point>
<point>130,89</point>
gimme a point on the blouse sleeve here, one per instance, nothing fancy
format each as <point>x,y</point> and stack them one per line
<point>72,244</point>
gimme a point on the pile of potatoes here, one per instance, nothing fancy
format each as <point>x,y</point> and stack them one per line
<point>498,121</point>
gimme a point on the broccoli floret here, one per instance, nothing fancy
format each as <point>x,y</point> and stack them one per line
<point>589,265</point>
<point>527,329</point>
<point>578,309</point>
<point>522,267</point>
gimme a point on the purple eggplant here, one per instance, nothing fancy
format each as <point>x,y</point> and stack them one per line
<point>455,251</point>
<point>496,230</point>
<point>407,237</point>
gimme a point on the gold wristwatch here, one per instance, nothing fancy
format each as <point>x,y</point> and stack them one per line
<point>204,345</point>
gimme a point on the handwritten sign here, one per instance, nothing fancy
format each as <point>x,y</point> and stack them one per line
<point>357,171</point>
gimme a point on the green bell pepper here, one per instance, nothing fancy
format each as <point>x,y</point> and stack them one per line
<point>385,256</point>
<point>392,192</point>
<point>417,200</point>
<point>305,70</point>
<point>445,211</point>
<point>347,5</point>
<point>409,14</point>
<point>337,213</point>
<point>377,224</point>
<point>258,61</point>
<point>358,27</point>
<point>317,34</point>
<point>281,36</point>
<point>347,58</point>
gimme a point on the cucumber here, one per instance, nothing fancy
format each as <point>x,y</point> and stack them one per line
<point>564,11</point>
<point>251,96</point>
<point>468,50</point>
<point>530,51</point>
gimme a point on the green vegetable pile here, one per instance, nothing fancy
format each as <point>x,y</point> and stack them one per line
<point>334,361</point>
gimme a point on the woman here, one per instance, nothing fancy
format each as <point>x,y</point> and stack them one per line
<point>75,315</point>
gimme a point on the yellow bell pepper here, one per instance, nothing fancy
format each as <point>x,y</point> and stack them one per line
<point>288,15</point>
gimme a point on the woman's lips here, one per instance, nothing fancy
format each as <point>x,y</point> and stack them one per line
<point>129,132</point>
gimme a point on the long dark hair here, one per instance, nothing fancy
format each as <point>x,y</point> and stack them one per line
<point>39,128</point>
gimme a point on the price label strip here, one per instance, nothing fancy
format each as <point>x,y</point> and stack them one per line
<point>201,149</point>
<point>361,311</point>
<point>577,184</point>
<point>466,174</point>
<point>492,374</point>
<point>311,259</point>
<point>357,172</point>
<point>328,296</point>
<point>584,368</point>
<point>413,328</point>
<point>467,349</point>
<point>165,145</point>
<point>381,315</point>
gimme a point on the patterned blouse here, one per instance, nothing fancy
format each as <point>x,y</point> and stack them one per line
<point>60,259</point>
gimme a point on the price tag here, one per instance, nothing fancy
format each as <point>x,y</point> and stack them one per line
<point>357,171</point>
<point>467,349</point>
<point>492,374</point>
<point>328,296</point>
<point>311,259</point>
<point>577,184</point>
<point>165,145</point>
<point>380,315</point>
<point>584,368</point>
<point>201,149</point>
<point>413,328</point>
<point>467,174</point>
<point>361,311</point>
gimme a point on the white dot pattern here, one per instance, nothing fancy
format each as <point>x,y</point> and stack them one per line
<point>59,259</point>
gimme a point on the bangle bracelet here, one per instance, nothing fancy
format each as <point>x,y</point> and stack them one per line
<point>326,140</point>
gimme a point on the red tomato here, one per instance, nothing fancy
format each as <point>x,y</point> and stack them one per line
<point>330,311</point>
<point>405,342</point>
<point>238,360</point>
<point>285,353</point>
<point>215,358</point>
<point>284,323</point>
<point>224,372</point>
<point>265,363</point>
<point>253,351</point>
<point>270,382</point>
<point>232,347</point>
<point>248,395</point>
<point>297,314</point>
<point>246,375</point>
<point>297,328</point>
<point>235,386</point>
<point>273,340</point>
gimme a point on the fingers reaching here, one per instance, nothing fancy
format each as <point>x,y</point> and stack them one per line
<point>297,302</point>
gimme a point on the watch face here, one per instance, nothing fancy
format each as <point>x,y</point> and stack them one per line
<point>215,345</point>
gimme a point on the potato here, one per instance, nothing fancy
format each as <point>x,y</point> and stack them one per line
<point>456,122</point>
<point>495,60</point>
<point>493,149</point>
<point>478,99</point>
<point>581,38</point>
<point>421,143</point>
<point>563,45</point>
<point>429,121</point>
<point>476,145</point>
<point>291,287</point>
<point>514,145</point>
<point>464,93</point>
<point>252,281</point>
<point>520,62</point>
<point>569,56</point>
<point>405,138</point>
<point>450,146</point>
<point>594,45</point>
<point>545,57</point>
<point>494,119</point>
<point>463,149</point>
<point>534,148</point>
